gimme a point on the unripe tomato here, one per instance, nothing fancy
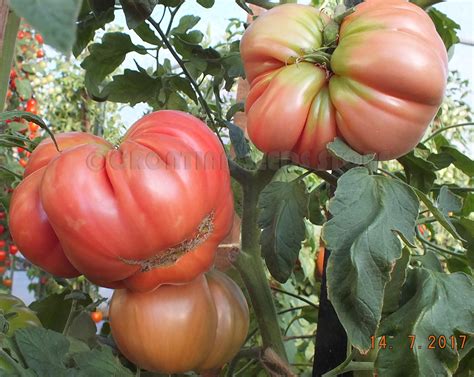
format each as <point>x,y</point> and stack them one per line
<point>97,316</point>
<point>210,329</point>
<point>111,192</point>
<point>39,53</point>
<point>24,318</point>
<point>381,88</point>
<point>7,282</point>
<point>13,249</point>
<point>39,38</point>
<point>3,255</point>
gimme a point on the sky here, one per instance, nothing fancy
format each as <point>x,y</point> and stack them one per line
<point>215,21</point>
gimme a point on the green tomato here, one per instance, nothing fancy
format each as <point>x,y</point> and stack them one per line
<point>24,316</point>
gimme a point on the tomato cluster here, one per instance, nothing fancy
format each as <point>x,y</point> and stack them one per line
<point>7,250</point>
<point>362,85</point>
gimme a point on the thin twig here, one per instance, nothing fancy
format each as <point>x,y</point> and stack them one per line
<point>442,129</point>
<point>295,296</point>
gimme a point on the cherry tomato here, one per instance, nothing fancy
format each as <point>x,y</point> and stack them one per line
<point>32,135</point>
<point>2,228</point>
<point>21,34</point>
<point>39,38</point>
<point>320,262</point>
<point>31,103</point>
<point>27,154</point>
<point>210,329</point>
<point>2,215</point>
<point>12,74</point>
<point>97,316</point>
<point>3,255</point>
<point>13,249</point>
<point>3,243</point>
<point>33,126</point>
<point>39,53</point>
<point>20,149</point>
<point>7,283</point>
<point>9,93</point>
<point>22,162</point>
<point>2,270</point>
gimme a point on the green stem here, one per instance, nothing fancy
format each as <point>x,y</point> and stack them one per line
<point>6,357</point>
<point>263,3</point>
<point>251,268</point>
<point>296,296</point>
<point>6,54</point>
<point>442,129</point>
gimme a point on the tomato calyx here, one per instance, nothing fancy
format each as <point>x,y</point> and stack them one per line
<point>169,256</point>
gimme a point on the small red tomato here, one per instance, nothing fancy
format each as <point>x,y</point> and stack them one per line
<point>23,162</point>
<point>39,38</point>
<point>97,316</point>
<point>27,35</point>
<point>2,215</point>
<point>20,149</point>
<point>2,270</point>
<point>27,154</point>
<point>3,256</point>
<point>33,127</point>
<point>2,228</point>
<point>9,93</point>
<point>13,249</point>
<point>39,53</point>
<point>7,283</point>
<point>31,102</point>
<point>21,34</point>
<point>12,74</point>
<point>2,244</point>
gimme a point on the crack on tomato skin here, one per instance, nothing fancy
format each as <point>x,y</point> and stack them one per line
<point>169,256</point>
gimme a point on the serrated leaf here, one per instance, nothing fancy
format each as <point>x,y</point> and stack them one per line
<point>99,363</point>
<point>283,207</point>
<point>418,171</point>
<point>368,213</point>
<point>341,150</point>
<point>136,11</point>
<point>398,276</point>
<point>439,215</point>
<point>54,19</point>
<point>446,27</point>
<point>238,140</point>
<point>448,202</point>
<point>43,350</point>
<point>106,56</point>
<point>131,87</point>
<point>439,304</point>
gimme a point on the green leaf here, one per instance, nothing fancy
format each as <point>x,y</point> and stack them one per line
<point>206,3</point>
<point>54,19</point>
<point>92,18</point>
<point>136,11</point>
<point>283,207</point>
<point>83,328</point>
<point>53,310</point>
<point>465,228</point>
<point>238,140</point>
<point>446,27</point>
<point>234,109</point>
<point>429,261</point>
<point>131,87</point>
<point>185,23</point>
<point>442,218</point>
<point>317,199</point>
<point>368,213</point>
<point>43,350</point>
<point>448,202</point>
<point>468,206</point>
<point>341,150</point>
<point>418,171</point>
<point>183,85</point>
<point>398,276</point>
<point>146,34</point>
<point>461,161</point>
<point>99,363</point>
<point>439,305</point>
<point>24,88</point>
<point>105,57</point>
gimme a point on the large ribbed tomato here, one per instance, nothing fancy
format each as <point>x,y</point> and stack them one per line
<point>384,84</point>
<point>177,328</point>
<point>148,212</point>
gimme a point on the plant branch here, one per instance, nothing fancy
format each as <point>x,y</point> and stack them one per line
<point>442,129</point>
<point>239,173</point>
<point>175,55</point>
<point>328,177</point>
<point>295,296</point>
<point>172,16</point>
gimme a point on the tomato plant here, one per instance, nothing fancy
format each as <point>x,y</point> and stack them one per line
<point>21,315</point>
<point>213,309</point>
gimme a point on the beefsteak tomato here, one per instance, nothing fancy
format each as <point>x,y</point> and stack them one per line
<point>148,212</point>
<point>177,328</point>
<point>379,89</point>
